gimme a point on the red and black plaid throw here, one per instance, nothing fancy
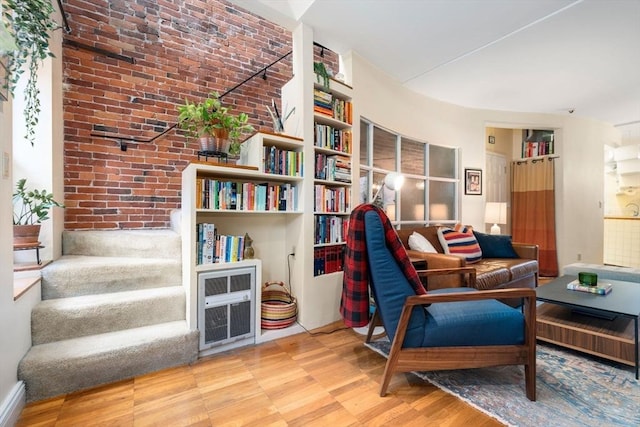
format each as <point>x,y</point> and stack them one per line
<point>354,306</point>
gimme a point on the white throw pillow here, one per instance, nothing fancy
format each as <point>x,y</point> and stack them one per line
<point>418,242</point>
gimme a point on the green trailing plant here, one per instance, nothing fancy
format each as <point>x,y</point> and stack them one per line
<point>30,24</point>
<point>198,120</point>
<point>321,70</point>
<point>211,118</point>
<point>239,126</point>
<point>31,206</point>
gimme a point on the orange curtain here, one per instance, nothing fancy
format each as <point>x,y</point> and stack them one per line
<point>533,210</point>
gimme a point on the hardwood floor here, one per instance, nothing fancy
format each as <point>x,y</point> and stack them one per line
<point>318,379</point>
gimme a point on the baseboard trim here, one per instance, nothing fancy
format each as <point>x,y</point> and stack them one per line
<point>13,405</point>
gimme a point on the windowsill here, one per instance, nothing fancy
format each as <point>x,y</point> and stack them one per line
<point>26,276</point>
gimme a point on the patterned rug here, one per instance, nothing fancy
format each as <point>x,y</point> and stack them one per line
<point>572,390</point>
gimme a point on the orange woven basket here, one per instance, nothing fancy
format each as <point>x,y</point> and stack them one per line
<point>279,307</point>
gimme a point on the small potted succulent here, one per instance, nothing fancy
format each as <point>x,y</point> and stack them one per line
<point>30,208</point>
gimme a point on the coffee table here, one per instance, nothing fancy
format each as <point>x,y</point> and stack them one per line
<point>602,325</point>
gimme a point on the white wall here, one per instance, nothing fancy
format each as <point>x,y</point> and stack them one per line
<point>579,142</point>
<point>47,164</point>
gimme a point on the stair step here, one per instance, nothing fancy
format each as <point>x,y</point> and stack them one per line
<point>66,318</point>
<point>60,367</point>
<point>161,243</point>
<point>75,275</point>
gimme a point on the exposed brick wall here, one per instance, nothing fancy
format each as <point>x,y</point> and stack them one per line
<point>181,49</point>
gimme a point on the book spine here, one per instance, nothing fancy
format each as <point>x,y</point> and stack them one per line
<point>589,289</point>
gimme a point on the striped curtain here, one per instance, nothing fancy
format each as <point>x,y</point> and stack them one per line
<point>533,210</point>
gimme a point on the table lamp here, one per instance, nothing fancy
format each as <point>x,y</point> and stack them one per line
<point>496,213</point>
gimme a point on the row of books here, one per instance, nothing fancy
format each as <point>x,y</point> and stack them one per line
<point>329,105</point>
<point>334,139</point>
<point>330,229</point>
<point>600,288</point>
<point>327,259</point>
<point>539,148</point>
<point>244,196</point>
<point>212,247</point>
<point>333,168</point>
<point>282,162</point>
<point>331,199</point>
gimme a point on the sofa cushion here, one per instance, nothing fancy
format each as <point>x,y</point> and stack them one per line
<point>495,245</point>
<point>460,241</point>
<point>418,242</point>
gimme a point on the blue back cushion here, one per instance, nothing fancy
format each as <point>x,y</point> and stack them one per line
<point>389,285</point>
<point>495,245</point>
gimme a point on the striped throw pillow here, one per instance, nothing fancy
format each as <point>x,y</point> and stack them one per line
<point>460,241</point>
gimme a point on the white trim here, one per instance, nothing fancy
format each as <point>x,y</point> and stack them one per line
<point>13,405</point>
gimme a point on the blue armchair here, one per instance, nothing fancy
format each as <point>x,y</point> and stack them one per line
<point>454,328</point>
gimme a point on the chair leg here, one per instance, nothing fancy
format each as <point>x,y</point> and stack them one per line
<point>386,377</point>
<point>375,321</point>
<point>530,381</point>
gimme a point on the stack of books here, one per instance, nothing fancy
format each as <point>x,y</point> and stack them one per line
<point>600,289</point>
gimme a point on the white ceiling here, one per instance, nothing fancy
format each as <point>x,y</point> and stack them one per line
<point>547,56</point>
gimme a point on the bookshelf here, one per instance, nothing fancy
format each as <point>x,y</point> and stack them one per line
<point>259,196</point>
<point>333,144</point>
<point>537,144</point>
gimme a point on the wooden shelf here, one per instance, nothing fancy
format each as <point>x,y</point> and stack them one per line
<point>610,339</point>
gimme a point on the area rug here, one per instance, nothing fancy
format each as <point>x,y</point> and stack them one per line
<point>572,390</point>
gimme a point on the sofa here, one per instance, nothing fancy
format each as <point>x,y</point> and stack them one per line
<point>518,271</point>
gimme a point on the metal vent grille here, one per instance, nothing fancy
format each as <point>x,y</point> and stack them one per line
<point>215,286</point>
<point>241,282</point>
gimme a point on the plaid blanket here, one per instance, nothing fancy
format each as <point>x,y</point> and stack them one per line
<point>354,306</point>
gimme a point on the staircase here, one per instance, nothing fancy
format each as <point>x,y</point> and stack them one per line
<point>113,307</point>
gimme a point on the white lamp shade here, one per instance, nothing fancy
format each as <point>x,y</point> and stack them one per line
<point>495,213</point>
<point>394,181</point>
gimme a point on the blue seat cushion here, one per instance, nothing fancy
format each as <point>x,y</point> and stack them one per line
<point>472,323</point>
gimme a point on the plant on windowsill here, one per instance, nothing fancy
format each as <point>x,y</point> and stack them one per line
<point>30,208</point>
<point>30,23</point>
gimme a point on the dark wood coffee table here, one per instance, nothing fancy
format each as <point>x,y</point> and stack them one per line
<point>602,325</point>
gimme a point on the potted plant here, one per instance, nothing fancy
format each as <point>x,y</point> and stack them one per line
<point>30,24</point>
<point>30,208</point>
<point>321,73</point>
<point>198,120</point>
<point>210,119</point>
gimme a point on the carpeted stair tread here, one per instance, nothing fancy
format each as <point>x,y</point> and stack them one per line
<point>60,367</point>
<point>160,243</point>
<point>74,275</point>
<point>65,318</point>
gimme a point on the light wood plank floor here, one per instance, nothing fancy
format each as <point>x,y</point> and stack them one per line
<point>319,379</point>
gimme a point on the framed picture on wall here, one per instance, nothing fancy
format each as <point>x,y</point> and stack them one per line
<point>473,182</point>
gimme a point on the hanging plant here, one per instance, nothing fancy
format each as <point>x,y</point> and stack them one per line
<point>30,24</point>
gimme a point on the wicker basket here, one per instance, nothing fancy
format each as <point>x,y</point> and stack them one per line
<point>279,307</point>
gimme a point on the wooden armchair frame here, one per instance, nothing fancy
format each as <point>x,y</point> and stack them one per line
<point>448,358</point>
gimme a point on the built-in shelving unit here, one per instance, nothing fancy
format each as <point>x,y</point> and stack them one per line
<point>537,144</point>
<point>333,145</point>
<point>239,199</point>
<point>286,240</point>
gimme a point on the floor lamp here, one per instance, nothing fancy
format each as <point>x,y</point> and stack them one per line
<point>393,181</point>
<point>496,213</point>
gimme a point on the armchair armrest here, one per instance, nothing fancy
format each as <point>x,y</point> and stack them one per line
<point>526,250</point>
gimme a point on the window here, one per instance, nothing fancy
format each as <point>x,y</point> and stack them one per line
<point>430,192</point>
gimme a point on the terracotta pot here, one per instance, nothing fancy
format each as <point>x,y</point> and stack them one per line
<point>25,235</point>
